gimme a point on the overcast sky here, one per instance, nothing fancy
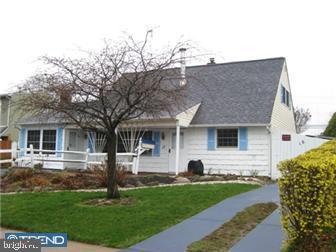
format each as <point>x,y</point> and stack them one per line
<point>301,31</point>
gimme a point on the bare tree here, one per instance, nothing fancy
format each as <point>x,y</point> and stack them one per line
<point>302,117</point>
<point>121,82</point>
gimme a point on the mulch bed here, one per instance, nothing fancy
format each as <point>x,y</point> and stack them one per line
<point>37,180</point>
<point>108,202</point>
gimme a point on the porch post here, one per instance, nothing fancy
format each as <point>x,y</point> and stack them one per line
<point>177,148</point>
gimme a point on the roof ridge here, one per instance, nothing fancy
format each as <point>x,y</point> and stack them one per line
<point>237,62</point>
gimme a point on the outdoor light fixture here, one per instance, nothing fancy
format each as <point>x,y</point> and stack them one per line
<point>162,135</point>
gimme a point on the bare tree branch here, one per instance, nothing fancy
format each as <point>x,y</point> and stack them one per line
<point>121,82</point>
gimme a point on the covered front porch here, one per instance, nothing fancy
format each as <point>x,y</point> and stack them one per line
<point>65,146</point>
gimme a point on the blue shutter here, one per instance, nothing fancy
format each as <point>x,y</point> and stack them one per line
<point>243,138</point>
<point>59,141</point>
<point>90,141</point>
<point>22,141</point>
<point>211,138</point>
<point>156,139</point>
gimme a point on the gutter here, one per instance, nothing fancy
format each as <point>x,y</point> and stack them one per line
<point>229,125</point>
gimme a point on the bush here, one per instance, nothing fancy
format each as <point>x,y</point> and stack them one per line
<point>15,175</point>
<point>331,128</point>
<point>100,173</point>
<point>308,198</point>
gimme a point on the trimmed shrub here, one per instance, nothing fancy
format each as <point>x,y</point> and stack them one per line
<point>331,128</point>
<point>308,198</point>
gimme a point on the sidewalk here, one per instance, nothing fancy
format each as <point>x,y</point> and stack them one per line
<point>178,237</point>
<point>72,245</point>
<point>266,237</point>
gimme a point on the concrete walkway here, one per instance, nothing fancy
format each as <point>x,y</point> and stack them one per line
<point>269,233</point>
<point>178,237</point>
<point>72,245</point>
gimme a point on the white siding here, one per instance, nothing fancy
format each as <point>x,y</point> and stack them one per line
<point>282,116</point>
<point>219,161</point>
<point>222,160</point>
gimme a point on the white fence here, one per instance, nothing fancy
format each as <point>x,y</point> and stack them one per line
<point>49,158</point>
<point>289,145</point>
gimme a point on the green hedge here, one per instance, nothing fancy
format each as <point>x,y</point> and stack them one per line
<point>308,198</point>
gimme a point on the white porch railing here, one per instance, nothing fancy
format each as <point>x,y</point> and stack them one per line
<point>33,156</point>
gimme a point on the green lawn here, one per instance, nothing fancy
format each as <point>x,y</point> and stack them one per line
<point>154,210</point>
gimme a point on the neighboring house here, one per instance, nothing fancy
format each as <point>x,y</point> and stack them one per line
<point>4,114</point>
<point>8,117</point>
<point>233,111</point>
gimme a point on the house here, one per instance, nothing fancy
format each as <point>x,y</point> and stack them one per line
<point>4,115</point>
<point>233,111</point>
<point>9,115</point>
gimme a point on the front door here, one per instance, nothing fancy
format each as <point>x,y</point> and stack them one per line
<point>73,141</point>
<point>172,152</point>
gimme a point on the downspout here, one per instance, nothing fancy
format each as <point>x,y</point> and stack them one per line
<point>269,130</point>
<point>177,148</point>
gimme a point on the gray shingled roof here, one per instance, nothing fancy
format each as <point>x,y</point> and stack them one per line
<point>229,93</point>
<point>234,93</point>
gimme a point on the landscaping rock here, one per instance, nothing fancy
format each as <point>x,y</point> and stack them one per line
<point>148,180</point>
<point>139,184</point>
<point>37,189</point>
<point>209,178</point>
<point>153,183</point>
<point>129,186</point>
<point>181,180</point>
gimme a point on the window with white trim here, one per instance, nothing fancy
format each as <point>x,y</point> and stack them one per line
<point>42,139</point>
<point>285,96</point>
<point>227,137</point>
<point>49,140</point>
<point>34,138</point>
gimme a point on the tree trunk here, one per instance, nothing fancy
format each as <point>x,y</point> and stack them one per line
<point>112,186</point>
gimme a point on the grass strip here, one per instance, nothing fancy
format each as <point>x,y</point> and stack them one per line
<point>234,230</point>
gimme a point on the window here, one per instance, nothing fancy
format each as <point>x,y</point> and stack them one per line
<point>33,137</point>
<point>227,137</point>
<point>49,140</point>
<point>285,96</point>
<point>42,139</point>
